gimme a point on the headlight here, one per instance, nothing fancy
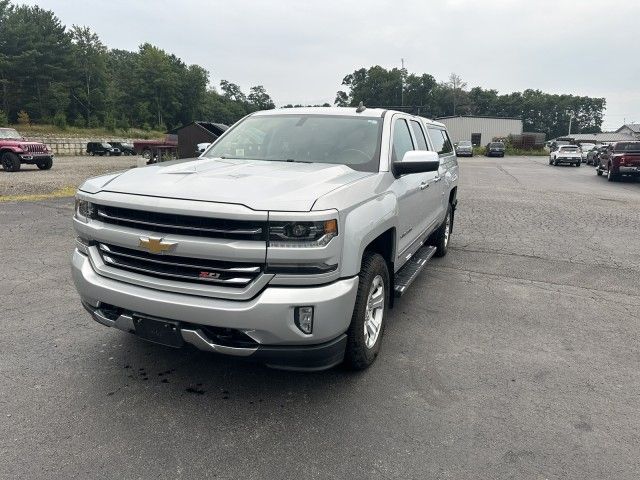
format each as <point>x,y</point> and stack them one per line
<point>84,210</point>
<point>302,234</point>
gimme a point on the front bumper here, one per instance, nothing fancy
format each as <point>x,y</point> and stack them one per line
<point>268,318</point>
<point>34,158</point>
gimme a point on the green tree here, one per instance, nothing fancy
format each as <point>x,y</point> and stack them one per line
<point>232,91</point>
<point>36,57</point>
<point>90,56</point>
<point>260,99</point>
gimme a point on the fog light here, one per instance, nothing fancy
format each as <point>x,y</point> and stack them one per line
<point>303,317</point>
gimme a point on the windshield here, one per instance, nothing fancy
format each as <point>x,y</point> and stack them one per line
<point>496,145</point>
<point>106,145</point>
<point>464,143</point>
<point>628,147</point>
<point>586,146</point>
<point>335,139</point>
<point>10,133</point>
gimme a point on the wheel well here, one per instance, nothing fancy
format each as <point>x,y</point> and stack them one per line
<point>385,245</point>
<point>453,195</point>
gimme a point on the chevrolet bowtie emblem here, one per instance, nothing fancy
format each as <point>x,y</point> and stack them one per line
<point>156,244</point>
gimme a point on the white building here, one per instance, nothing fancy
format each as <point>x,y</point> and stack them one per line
<point>481,130</point>
<point>632,129</point>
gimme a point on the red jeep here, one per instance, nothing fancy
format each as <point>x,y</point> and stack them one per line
<point>621,158</point>
<point>15,150</point>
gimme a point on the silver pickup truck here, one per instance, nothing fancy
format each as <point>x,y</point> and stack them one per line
<point>285,242</point>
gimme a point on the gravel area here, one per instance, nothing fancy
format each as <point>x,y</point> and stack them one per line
<point>66,172</point>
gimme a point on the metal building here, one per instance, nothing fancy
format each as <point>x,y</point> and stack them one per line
<point>481,130</point>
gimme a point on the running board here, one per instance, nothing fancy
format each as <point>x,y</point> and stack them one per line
<point>410,270</point>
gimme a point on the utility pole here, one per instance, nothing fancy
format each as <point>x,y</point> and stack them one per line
<point>570,119</point>
<point>402,83</point>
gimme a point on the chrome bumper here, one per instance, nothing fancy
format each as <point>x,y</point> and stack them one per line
<point>268,318</point>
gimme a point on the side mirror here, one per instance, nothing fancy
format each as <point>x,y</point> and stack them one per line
<point>416,161</point>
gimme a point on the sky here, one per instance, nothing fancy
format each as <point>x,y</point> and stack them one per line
<point>300,50</point>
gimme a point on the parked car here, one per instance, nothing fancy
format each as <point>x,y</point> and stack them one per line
<point>620,159</point>
<point>555,144</point>
<point>566,154</point>
<point>15,151</point>
<point>585,148</point>
<point>124,147</point>
<point>102,149</point>
<point>495,149</point>
<point>592,155</point>
<point>464,148</point>
<point>287,244</point>
<point>203,146</point>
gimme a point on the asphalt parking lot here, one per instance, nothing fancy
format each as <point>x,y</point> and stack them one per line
<point>515,356</point>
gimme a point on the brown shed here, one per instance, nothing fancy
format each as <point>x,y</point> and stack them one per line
<point>194,133</point>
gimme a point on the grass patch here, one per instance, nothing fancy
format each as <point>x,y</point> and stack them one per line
<point>71,132</point>
<point>63,192</point>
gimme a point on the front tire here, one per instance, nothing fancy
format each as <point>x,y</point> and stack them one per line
<point>612,177</point>
<point>10,162</point>
<point>364,336</point>
<point>45,164</point>
<point>441,236</point>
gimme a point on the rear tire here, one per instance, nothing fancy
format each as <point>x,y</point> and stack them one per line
<point>45,164</point>
<point>612,177</point>
<point>364,336</point>
<point>10,162</point>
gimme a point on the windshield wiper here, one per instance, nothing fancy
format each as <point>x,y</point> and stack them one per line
<point>291,160</point>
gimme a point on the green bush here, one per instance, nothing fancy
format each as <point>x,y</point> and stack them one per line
<point>60,120</point>
<point>79,121</point>
<point>4,120</point>
<point>146,127</point>
<point>94,122</point>
<point>23,118</point>
<point>110,123</point>
<point>123,124</point>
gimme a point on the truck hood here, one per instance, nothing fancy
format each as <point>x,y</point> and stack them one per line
<point>259,185</point>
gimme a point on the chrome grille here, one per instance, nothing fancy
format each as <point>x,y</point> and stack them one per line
<point>232,274</point>
<point>183,224</point>
<point>34,148</point>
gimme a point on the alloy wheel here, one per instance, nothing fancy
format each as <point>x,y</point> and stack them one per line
<point>374,311</point>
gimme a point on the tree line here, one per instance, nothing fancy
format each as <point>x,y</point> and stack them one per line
<point>53,74</point>
<point>421,93</point>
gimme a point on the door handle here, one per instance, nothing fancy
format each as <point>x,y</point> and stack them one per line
<point>424,185</point>
<point>437,179</point>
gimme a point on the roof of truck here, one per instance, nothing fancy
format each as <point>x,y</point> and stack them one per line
<point>344,111</point>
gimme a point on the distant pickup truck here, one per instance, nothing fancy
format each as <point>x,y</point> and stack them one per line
<point>150,149</point>
<point>285,242</point>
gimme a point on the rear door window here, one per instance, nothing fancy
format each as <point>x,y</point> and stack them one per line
<point>441,142</point>
<point>402,142</point>
<point>419,134</point>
